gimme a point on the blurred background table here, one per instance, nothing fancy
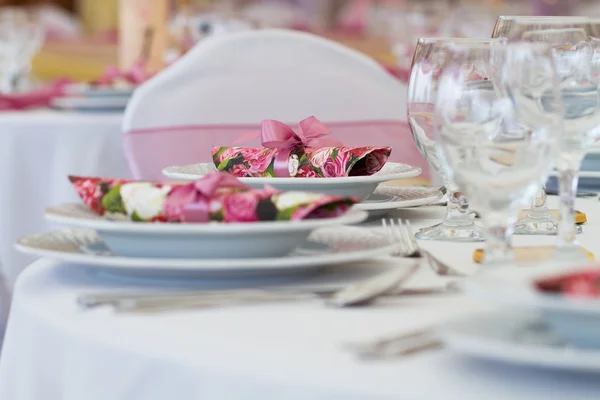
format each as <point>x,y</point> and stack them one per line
<point>38,150</point>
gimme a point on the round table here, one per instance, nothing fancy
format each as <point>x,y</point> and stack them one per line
<point>55,350</point>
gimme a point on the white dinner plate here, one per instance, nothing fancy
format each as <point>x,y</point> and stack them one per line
<point>202,240</point>
<point>106,103</point>
<point>516,337</point>
<point>379,204</point>
<point>86,90</point>
<point>577,320</point>
<point>361,186</point>
<point>83,246</point>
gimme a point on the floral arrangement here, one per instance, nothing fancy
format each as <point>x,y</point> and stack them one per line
<point>217,197</point>
<point>306,154</point>
<point>325,162</point>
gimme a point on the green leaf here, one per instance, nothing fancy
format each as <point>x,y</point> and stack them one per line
<point>270,171</point>
<point>334,154</point>
<point>223,165</point>
<point>135,217</point>
<point>219,152</point>
<point>112,200</point>
<point>286,214</point>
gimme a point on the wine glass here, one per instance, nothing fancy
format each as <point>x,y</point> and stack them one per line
<point>574,44</point>
<point>21,37</point>
<point>499,131</point>
<point>539,220</point>
<point>429,56</point>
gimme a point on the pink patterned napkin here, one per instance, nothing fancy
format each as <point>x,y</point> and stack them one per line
<point>218,197</point>
<point>305,154</point>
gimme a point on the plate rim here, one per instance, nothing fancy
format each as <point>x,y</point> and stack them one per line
<point>476,345</point>
<point>353,216</point>
<point>196,264</point>
<point>348,180</point>
<point>394,205</point>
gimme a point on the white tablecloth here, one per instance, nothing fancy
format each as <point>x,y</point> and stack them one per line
<point>38,149</point>
<point>55,351</point>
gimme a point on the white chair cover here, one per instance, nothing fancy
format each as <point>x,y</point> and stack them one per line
<point>228,84</point>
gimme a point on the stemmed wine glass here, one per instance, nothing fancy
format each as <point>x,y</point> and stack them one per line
<point>574,43</point>
<point>429,56</point>
<point>21,37</point>
<point>499,131</point>
<point>539,220</point>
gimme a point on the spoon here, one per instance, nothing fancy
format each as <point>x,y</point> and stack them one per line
<point>360,293</point>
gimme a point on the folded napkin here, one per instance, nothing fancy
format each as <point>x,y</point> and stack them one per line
<point>37,98</point>
<point>582,283</point>
<point>306,154</point>
<point>218,197</point>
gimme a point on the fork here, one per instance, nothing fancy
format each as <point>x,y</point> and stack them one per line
<point>401,233</point>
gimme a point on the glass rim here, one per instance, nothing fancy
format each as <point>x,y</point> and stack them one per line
<point>566,20</point>
<point>536,45</point>
<point>459,40</point>
<point>546,17</point>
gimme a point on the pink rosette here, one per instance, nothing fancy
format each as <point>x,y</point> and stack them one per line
<point>191,202</point>
<point>336,168</point>
<point>320,156</point>
<point>241,207</point>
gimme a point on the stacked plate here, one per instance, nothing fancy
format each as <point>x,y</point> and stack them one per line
<point>376,202</point>
<point>194,250</point>
<point>84,97</point>
<point>534,327</point>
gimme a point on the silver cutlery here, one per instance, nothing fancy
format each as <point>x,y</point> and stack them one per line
<point>400,232</point>
<point>359,293</point>
<point>402,345</point>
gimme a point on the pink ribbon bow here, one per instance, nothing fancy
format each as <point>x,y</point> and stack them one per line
<point>190,203</point>
<point>277,135</point>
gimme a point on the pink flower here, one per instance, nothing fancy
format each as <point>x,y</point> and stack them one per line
<point>307,171</point>
<point>227,154</point>
<point>241,207</point>
<point>336,168</point>
<point>239,170</point>
<point>320,156</point>
<point>261,161</point>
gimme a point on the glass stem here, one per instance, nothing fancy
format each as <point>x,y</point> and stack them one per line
<point>538,207</point>
<point>457,209</point>
<point>499,229</point>
<point>568,178</point>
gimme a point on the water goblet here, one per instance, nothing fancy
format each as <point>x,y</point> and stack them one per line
<point>539,220</point>
<point>575,47</point>
<point>499,134</point>
<point>429,56</point>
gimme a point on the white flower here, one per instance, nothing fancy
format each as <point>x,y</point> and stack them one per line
<point>293,199</point>
<point>144,199</point>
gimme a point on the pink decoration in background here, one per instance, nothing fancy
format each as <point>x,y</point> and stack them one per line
<point>37,98</point>
<point>136,75</point>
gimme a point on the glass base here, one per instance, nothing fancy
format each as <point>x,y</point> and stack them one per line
<point>570,257</point>
<point>544,224</point>
<point>443,232</point>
